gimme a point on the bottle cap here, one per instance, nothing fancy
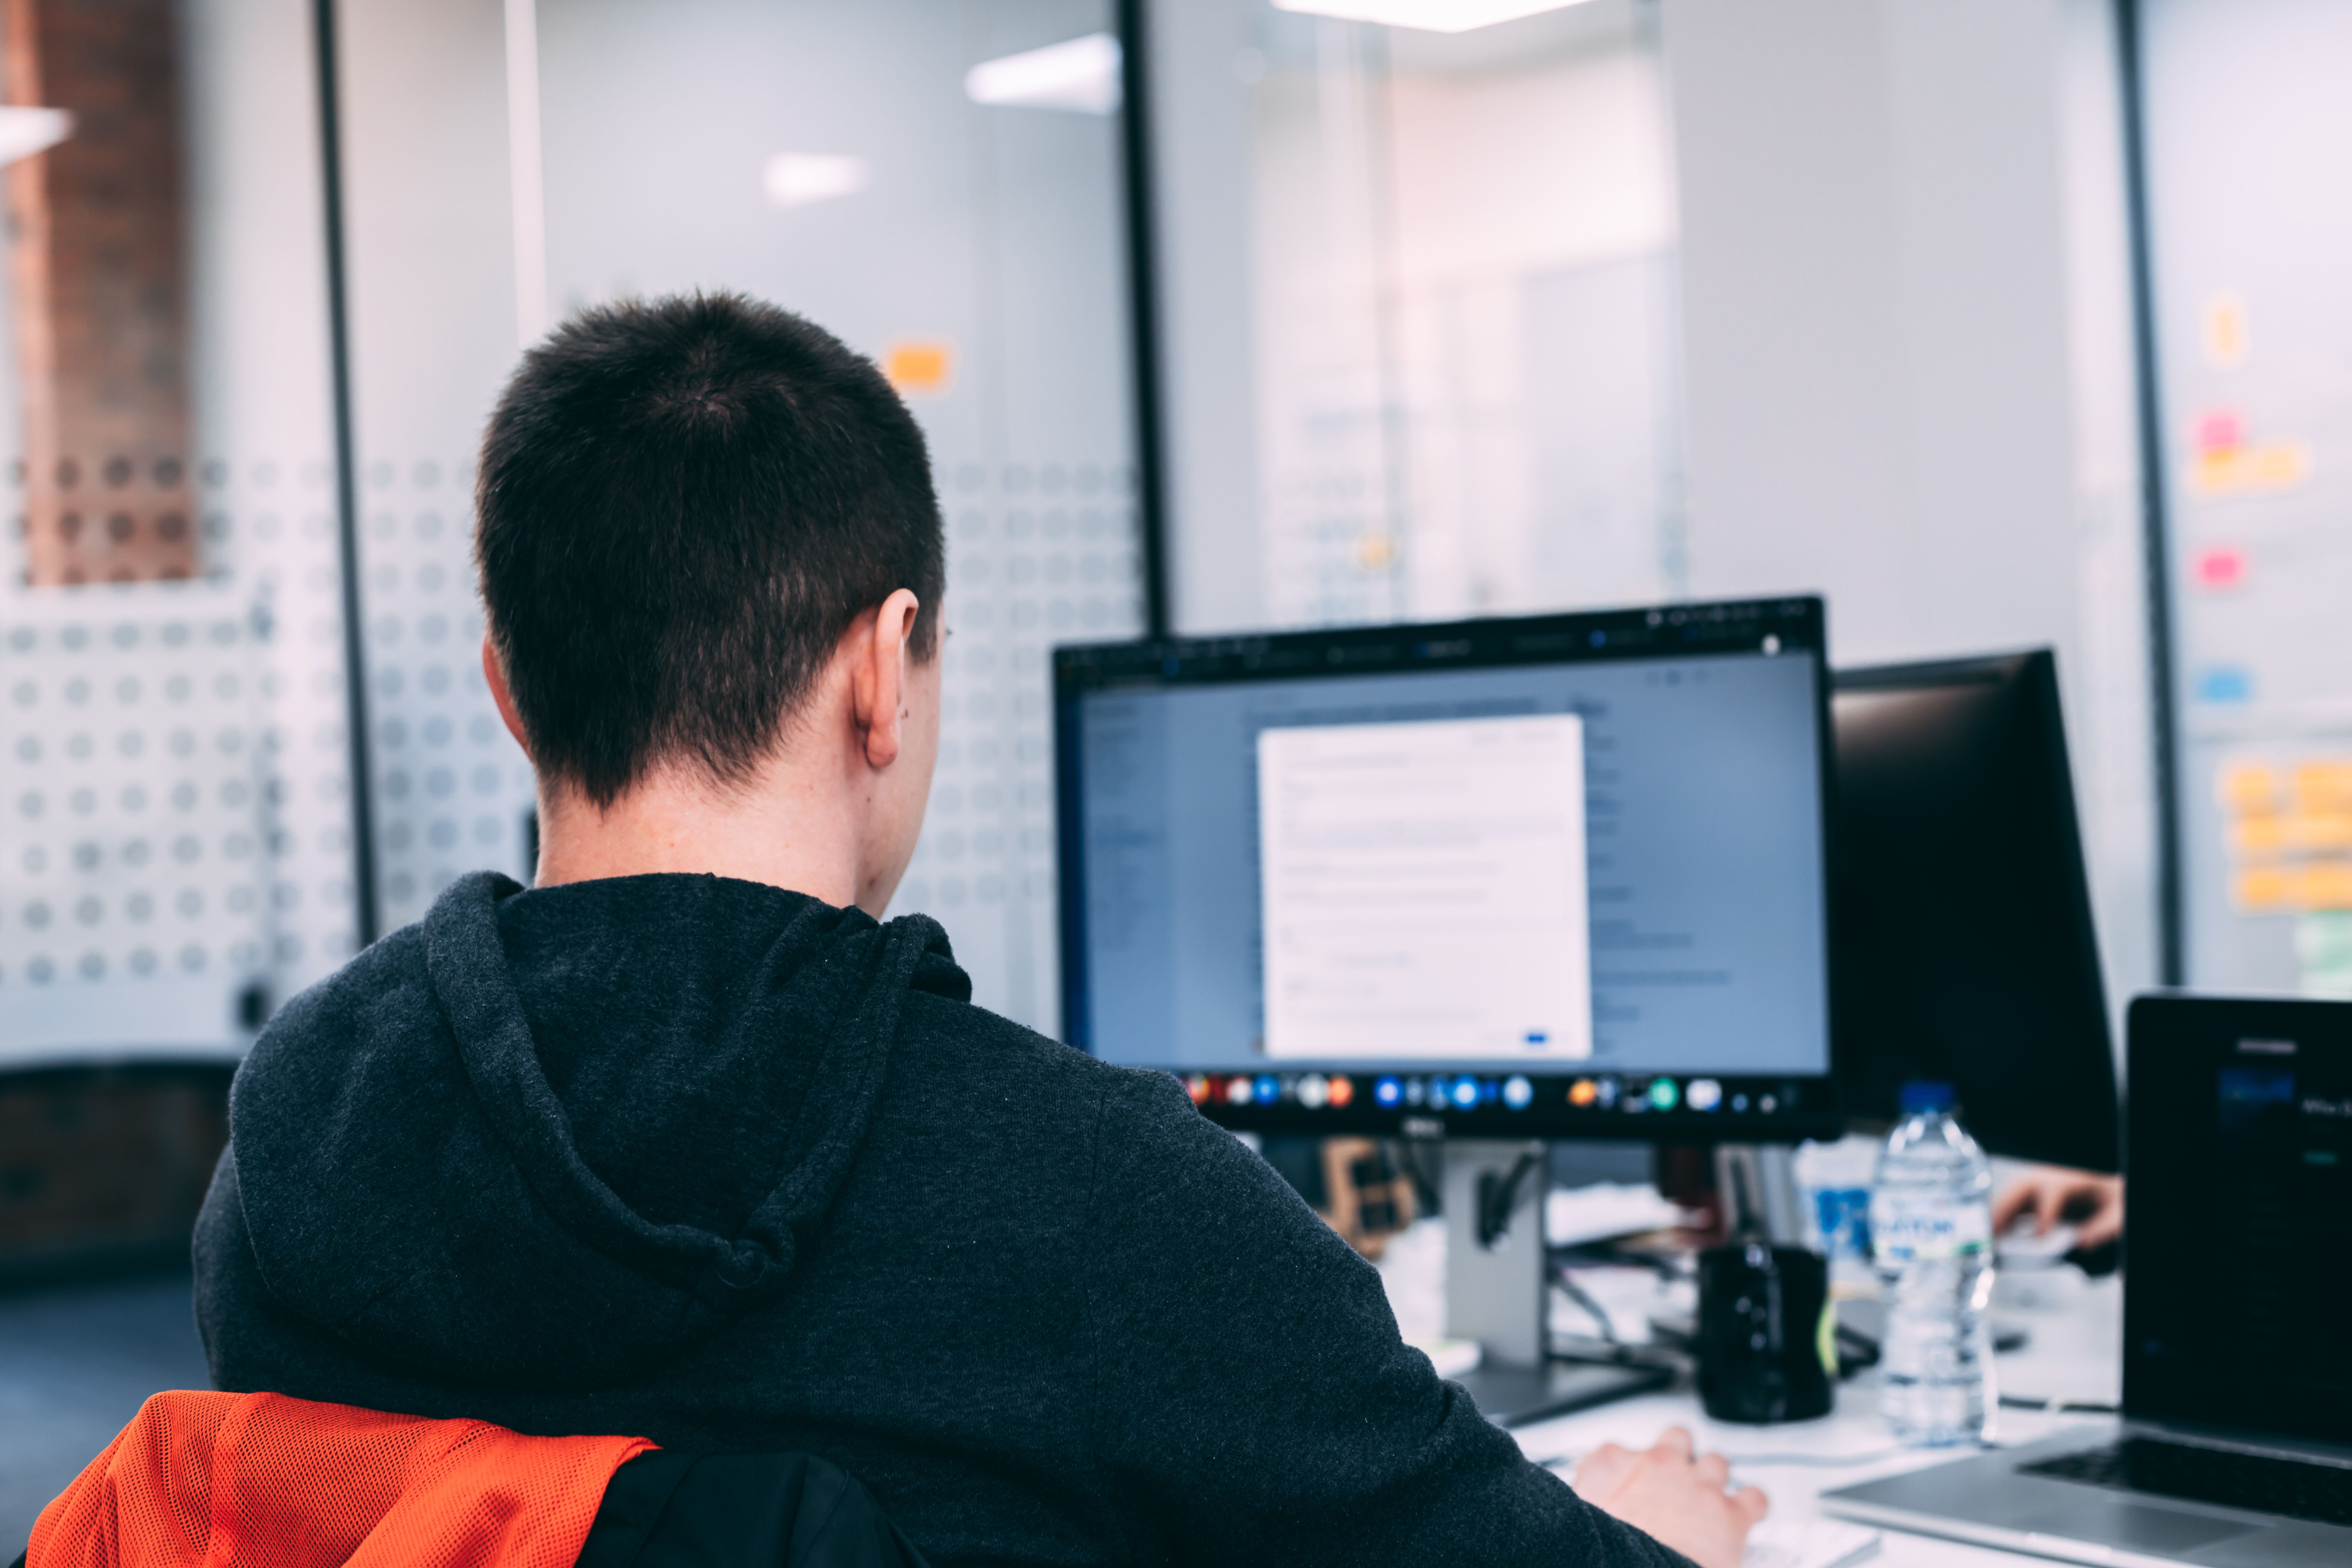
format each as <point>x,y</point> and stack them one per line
<point>1925,1095</point>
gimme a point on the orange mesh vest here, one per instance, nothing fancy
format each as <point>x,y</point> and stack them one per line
<point>258,1481</point>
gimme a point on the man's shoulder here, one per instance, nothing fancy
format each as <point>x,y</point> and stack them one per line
<point>996,1060</point>
<point>383,979</point>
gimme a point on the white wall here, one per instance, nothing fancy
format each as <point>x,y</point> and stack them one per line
<point>1873,293</point>
<point>1901,280</point>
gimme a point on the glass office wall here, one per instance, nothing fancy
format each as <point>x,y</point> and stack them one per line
<point>1420,311</point>
<point>428,216</point>
<point>174,830</point>
<point>936,181</point>
<point>2248,134</point>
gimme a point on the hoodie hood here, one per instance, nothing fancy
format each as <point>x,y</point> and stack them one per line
<point>551,1139</point>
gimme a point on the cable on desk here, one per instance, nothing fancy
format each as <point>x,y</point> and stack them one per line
<point>1591,1308</point>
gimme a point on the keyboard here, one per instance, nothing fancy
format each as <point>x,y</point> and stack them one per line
<point>2293,1488</point>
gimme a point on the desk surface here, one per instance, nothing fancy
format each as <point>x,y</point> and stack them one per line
<point>2074,1353</point>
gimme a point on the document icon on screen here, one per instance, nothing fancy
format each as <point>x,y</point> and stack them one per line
<point>1423,889</point>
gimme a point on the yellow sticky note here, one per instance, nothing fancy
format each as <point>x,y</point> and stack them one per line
<point>2324,785</point>
<point>2259,837</point>
<point>2249,789</point>
<point>2250,470</point>
<point>2280,464</point>
<point>2328,886</point>
<point>2226,338</point>
<point>2320,831</point>
<point>2266,888</point>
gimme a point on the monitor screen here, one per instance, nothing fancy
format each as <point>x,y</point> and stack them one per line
<point>1548,874</point>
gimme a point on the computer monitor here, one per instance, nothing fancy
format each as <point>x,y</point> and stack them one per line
<point>1965,950</point>
<point>1554,877</point>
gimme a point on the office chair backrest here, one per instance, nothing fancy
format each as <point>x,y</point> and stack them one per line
<point>263,1481</point>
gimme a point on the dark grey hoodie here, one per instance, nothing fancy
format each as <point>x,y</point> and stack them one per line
<point>723,1166</point>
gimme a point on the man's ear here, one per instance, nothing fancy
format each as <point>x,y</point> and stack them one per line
<point>878,675</point>
<point>495,672</point>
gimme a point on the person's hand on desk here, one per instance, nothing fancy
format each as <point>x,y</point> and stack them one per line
<point>2093,1203</point>
<point>1675,1499</point>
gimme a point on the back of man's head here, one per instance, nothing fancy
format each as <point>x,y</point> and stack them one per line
<point>684,505</point>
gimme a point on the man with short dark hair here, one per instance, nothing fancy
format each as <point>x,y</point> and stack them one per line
<point>682,1144</point>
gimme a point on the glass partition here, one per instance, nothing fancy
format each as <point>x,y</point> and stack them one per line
<point>175,813</point>
<point>1420,309</point>
<point>2246,133</point>
<point>935,181</point>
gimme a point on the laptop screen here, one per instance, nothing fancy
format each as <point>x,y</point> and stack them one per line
<point>2239,1254</point>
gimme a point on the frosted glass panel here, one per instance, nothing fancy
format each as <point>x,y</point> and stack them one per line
<point>838,159</point>
<point>2248,134</point>
<point>175,812</point>
<point>1421,314</point>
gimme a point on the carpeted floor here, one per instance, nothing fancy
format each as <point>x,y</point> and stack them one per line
<point>75,1362</point>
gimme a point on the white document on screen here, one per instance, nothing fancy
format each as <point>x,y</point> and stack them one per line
<point>1423,889</point>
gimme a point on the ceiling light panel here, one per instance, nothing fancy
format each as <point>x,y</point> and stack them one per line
<point>1080,75</point>
<point>1426,15</point>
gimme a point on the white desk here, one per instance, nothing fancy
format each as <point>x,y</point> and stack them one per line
<point>2074,1353</point>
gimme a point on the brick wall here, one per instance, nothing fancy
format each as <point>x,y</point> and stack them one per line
<point>99,270</point>
<point>103,1168</point>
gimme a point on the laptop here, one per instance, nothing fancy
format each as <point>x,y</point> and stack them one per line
<point>2235,1447</point>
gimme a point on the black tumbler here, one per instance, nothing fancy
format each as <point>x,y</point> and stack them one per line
<point>1766,1346</point>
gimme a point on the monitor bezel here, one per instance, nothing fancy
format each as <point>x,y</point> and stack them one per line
<point>1731,628</point>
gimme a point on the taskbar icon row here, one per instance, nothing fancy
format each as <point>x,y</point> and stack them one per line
<point>1629,1094</point>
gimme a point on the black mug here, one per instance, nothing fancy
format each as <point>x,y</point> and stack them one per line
<point>1767,1344</point>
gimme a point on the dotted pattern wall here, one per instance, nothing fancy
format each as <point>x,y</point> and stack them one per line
<point>1039,553</point>
<point>452,790</point>
<point>174,793</point>
<point>270,526</point>
<point>134,839</point>
<point>173,784</point>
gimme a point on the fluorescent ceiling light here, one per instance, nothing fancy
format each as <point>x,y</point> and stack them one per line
<point>1428,15</point>
<point>796,179</point>
<point>25,131</point>
<point>1081,75</point>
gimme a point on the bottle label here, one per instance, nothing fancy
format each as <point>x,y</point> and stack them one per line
<point>1907,1227</point>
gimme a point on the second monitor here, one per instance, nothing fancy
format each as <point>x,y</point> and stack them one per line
<point>1530,877</point>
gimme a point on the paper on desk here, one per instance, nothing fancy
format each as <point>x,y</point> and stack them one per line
<point>1573,1216</point>
<point>1808,1543</point>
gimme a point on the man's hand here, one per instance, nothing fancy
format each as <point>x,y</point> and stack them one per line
<point>1673,1498</point>
<point>2052,1193</point>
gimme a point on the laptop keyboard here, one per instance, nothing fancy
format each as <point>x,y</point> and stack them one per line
<point>2321,1493</point>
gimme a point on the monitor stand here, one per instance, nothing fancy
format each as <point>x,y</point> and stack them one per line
<point>1497,1289</point>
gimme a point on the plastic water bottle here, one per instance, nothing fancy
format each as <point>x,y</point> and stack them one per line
<point>1931,1235</point>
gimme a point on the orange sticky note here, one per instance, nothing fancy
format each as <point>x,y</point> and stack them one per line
<point>919,367</point>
